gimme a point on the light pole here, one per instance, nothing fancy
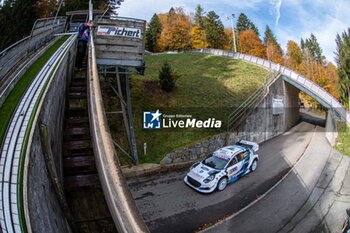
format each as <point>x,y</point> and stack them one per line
<point>233,33</point>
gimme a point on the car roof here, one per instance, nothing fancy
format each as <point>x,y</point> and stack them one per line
<point>228,152</point>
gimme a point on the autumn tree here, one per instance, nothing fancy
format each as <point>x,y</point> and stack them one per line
<point>274,51</point>
<point>343,62</point>
<point>332,85</point>
<point>46,8</point>
<point>323,75</point>
<point>244,23</point>
<point>176,33</point>
<point>198,37</point>
<point>229,39</point>
<point>198,30</point>
<point>153,32</point>
<point>251,44</point>
<point>214,30</point>
<point>294,56</point>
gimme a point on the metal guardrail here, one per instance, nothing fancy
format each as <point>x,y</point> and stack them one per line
<point>295,79</point>
<point>119,199</point>
<point>16,144</point>
<point>308,86</point>
<point>42,31</point>
<point>47,23</point>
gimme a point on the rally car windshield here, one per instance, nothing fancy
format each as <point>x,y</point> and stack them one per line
<point>215,162</point>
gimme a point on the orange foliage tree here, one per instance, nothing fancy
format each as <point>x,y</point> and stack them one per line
<point>176,33</point>
<point>324,75</point>
<point>229,39</point>
<point>46,8</point>
<point>273,53</point>
<point>251,44</point>
<point>198,37</point>
<point>294,56</point>
<point>333,80</point>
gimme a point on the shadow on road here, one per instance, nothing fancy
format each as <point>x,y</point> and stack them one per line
<point>168,205</point>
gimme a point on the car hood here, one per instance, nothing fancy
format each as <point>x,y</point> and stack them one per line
<point>201,172</point>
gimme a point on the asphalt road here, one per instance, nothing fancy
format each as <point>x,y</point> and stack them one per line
<point>168,205</point>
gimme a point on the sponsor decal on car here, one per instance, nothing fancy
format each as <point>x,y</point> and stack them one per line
<point>224,166</point>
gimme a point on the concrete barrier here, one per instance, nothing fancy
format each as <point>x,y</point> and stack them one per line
<point>118,196</point>
<point>42,208</point>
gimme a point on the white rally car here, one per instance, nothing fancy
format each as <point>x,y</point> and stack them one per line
<point>224,166</point>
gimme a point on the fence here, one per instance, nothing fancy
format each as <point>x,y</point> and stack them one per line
<point>42,31</point>
<point>296,79</point>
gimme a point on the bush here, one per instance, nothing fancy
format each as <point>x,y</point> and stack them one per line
<point>167,78</point>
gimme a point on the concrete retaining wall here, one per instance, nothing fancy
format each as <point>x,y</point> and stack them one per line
<point>45,212</point>
<point>261,125</point>
<point>331,128</point>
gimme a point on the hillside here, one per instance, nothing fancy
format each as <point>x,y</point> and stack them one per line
<point>208,87</point>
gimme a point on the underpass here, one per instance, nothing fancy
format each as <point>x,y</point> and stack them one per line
<point>164,201</point>
<point>168,205</point>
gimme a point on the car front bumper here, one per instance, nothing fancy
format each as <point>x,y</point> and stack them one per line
<point>204,188</point>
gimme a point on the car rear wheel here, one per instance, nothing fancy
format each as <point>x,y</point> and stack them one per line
<point>222,184</point>
<point>254,165</point>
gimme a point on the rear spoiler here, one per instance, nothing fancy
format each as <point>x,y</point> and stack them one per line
<point>252,145</point>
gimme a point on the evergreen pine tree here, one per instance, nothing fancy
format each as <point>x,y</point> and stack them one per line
<point>167,78</point>
<point>198,16</point>
<point>343,63</point>
<point>17,19</point>
<point>243,24</point>
<point>214,30</point>
<point>153,33</point>
<point>313,47</point>
<point>271,38</point>
<point>254,28</point>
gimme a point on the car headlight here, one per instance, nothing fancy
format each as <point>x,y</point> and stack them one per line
<point>209,178</point>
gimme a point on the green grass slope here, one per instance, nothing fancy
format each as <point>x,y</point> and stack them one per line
<point>343,142</point>
<point>209,86</point>
<point>10,104</point>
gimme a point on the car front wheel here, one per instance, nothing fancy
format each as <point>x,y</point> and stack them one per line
<point>222,183</point>
<point>254,165</point>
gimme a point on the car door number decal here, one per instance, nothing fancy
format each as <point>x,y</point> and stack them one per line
<point>232,170</point>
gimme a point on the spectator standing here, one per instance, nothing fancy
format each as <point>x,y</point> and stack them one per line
<point>83,38</point>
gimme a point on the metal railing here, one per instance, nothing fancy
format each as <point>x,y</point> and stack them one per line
<point>293,77</point>
<point>45,24</point>
<point>42,31</point>
<point>301,82</point>
<point>17,143</point>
